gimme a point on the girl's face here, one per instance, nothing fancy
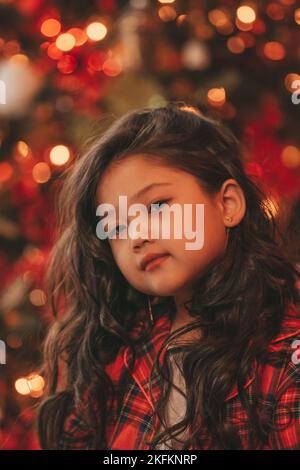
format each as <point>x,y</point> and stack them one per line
<point>182,267</point>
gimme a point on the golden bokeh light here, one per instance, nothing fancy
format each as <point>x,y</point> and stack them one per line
<point>22,148</point>
<point>50,27</point>
<point>22,386</point>
<point>236,45</point>
<point>218,17</point>
<point>243,26</point>
<point>59,155</point>
<point>79,35</point>
<point>274,50</point>
<point>167,13</point>
<point>246,14</point>
<point>53,52</point>
<point>216,96</point>
<point>14,341</point>
<point>36,382</point>
<point>290,156</point>
<point>32,385</point>
<point>6,171</point>
<point>65,42</point>
<point>181,19</point>
<point>112,67</point>
<point>41,172</point>
<point>20,59</point>
<point>37,297</point>
<point>96,31</point>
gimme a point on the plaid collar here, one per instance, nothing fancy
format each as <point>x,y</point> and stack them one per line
<point>148,352</point>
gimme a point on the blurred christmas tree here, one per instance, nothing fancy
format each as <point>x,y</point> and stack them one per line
<point>67,68</point>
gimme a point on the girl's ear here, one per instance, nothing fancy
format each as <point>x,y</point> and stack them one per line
<point>232,202</point>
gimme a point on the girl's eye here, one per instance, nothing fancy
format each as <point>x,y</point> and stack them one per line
<point>155,205</point>
<point>116,230</point>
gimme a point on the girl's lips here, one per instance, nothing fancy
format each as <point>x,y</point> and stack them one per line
<point>156,262</point>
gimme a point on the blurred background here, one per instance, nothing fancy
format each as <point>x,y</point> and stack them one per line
<point>68,69</point>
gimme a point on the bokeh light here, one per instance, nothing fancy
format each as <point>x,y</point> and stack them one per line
<point>6,171</point>
<point>41,172</point>
<point>96,31</point>
<point>274,50</point>
<point>246,14</point>
<point>167,13</point>
<point>216,96</point>
<point>290,156</point>
<point>37,297</point>
<point>50,27</point>
<point>65,42</point>
<point>236,45</point>
<point>22,386</point>
<point>59,155</point>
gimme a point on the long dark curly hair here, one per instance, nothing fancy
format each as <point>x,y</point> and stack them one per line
<point>239,303</point>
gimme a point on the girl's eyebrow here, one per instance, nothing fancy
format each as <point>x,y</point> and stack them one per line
<point>147,188</point>
<point>140,192</point>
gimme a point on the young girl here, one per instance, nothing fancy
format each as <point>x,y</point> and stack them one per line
<point>230,309</point>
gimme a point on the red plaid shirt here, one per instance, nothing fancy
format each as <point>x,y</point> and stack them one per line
<point>133,426</point>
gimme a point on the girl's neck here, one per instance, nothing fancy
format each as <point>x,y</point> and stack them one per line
<point>182,316</point>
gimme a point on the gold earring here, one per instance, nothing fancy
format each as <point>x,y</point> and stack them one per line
<point>150,310</point>
<point>228,218</point>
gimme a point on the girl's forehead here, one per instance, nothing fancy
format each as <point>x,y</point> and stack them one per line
<point>134,172</point>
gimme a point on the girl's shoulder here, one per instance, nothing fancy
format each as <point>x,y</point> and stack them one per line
<point>281,367</point>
